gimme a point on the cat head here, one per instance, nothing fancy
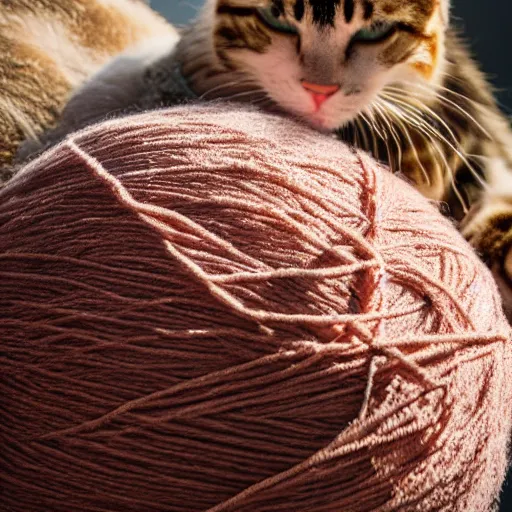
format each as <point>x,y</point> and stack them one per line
<point>327,60</point>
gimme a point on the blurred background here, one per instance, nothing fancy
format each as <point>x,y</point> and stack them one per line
<point>487,30</point>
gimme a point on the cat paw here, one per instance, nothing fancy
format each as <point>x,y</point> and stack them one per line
<point>488,228</point>
<point>508,264</point>
<point>503,277</point>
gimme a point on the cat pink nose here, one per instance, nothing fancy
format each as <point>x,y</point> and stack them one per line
<point>320,93</point>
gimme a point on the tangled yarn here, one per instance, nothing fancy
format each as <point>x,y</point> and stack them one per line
<point>214,309</point>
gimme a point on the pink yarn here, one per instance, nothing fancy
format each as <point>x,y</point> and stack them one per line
<point>213,309</point>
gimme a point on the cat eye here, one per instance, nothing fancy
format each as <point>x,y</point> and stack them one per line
<point>272,17</point>
<point>377,32</point>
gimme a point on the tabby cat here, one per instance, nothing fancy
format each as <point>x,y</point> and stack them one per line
<point>390,76</point>
<point>49,47</point>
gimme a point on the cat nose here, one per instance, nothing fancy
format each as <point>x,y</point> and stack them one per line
<point>320,93</point>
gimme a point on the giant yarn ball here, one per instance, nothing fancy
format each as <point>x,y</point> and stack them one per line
<point>208,308</point>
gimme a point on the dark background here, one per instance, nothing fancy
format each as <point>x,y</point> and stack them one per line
<point>487,27</point>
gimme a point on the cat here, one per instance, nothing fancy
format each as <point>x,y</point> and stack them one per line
<point>48,48</point>
<point>390,76</point>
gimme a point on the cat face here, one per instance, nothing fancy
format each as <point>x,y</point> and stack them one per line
<point>327,60</point>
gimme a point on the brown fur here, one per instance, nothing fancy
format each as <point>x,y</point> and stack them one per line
<point>48,48</point>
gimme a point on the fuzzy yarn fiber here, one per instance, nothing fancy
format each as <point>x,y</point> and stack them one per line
<point>213,309</point>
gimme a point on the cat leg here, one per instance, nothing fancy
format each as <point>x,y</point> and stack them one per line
<point>488,226</point>
<point>115,89</point>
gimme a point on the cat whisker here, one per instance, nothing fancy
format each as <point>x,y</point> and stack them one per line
<point>435,144</point>
<point>243,94</point>
<point>357,131</point>
<point>373,144</point>
<point>383,113</point>
<point>356,139</point>
<point>227,85</point>
<point>190,5</point>
<point>433,138</point>
<point>369,118</point>
<point>359,134</point>
<point>422,109</point>
<point>362,127</point>
<point>396,113</point>
<point>422,94</point>
<point>262,101</point>
<point>420,124</point>
<point>427,110</point>
<point>479,157</point>
<point>380,116</point>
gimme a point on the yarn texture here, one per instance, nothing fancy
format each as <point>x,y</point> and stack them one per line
<point>213,309</point>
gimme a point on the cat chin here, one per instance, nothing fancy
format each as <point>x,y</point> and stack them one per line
<point>326,124</point>
<point>321,120</point>
<point>317,120</point>
<point>320,124</point>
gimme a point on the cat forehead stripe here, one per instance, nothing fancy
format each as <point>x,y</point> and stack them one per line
<point>368,9</point>
<point>349,10</point>
<point>324,11</point>
<point>298,10</point>
<point>279,5</point>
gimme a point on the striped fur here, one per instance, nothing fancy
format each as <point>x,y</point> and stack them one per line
<point>415,99</point>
